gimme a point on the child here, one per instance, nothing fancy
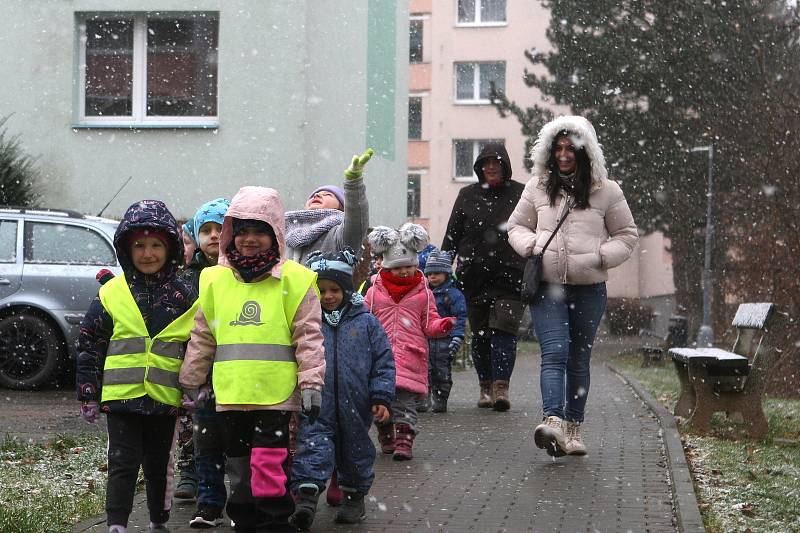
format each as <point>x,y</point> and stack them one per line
<point>333,217</point>
<point>129,352</point>
<point>406,308</point>
<point>206,470</point>
<point>258,324</point>
<point>359,385</point>
<point>189,241</point>
<point>449,302</point>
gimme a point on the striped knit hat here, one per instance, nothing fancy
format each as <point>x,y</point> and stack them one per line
<point>439,261</point>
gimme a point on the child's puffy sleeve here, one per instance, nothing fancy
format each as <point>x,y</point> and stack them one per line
<point>307,340</point>
<point>458,309</point>
<point>433,325</point>
<point>92,345</point>
<point>200,352</point>
<point>382,375</point>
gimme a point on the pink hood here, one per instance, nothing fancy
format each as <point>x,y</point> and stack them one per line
<point>255,203</point>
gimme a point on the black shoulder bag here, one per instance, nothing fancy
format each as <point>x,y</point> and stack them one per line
<point>532,276</point>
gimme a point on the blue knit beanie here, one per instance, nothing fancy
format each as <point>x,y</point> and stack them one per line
<point>212,211</point>
<point>188,230</point>
<point>439,261</point>
<point>334,266</point>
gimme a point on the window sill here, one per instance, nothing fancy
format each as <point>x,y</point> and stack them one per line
<point>465,179</point>
<point>146,126</point>
<point>472,102</point>
<point>481,24</point>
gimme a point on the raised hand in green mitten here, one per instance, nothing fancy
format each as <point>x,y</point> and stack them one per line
<point>356,167</point>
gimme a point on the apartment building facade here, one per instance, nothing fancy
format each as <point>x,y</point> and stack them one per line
<point>457,50</point>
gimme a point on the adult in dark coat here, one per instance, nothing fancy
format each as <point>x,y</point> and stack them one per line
<point>490,271</point>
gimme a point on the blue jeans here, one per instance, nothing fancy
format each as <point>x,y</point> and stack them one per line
<point>209,457</point>
<point>566,318</point>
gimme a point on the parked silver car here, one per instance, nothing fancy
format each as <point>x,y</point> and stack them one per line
<point>48,263</point>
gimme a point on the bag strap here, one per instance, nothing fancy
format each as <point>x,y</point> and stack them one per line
<point>552,235</point>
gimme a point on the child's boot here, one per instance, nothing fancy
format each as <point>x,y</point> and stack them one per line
<point>386,437</point>
<point>334,495</point>
<point>403,443</point>
<point>485,399</point>
<point>424,403</point>
<point>305,506</point>
<point>352,512</point>
<point>439,403</point>
<point>186,489</point>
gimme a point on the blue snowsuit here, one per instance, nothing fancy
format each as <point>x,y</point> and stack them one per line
<point>360,373</point>
<point>449,302</point>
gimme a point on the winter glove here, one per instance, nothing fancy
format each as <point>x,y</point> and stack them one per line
<point>312,401</point>
<point>90,411</point>
<point>356,167</point>
<point>455,345</point>
<point>193,399</point>
<point>449,324</point>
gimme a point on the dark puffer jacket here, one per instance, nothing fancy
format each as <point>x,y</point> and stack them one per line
<point>450,302</point>
<point>359,373</point>
<point>161,297</point>
<point>488,268</point>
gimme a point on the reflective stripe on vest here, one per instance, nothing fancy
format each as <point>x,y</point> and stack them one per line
<point>251,322</point>
<point>135,364</point>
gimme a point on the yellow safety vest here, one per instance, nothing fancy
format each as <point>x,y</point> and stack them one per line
<point>137,365</point>
<point>251,323</point>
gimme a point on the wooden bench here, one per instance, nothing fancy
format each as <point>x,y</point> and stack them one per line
<point>714,380</point>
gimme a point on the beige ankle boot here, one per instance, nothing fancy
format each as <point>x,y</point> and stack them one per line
<point>549,435</point>
<point>500,395</point>
<point>485,399</point>
<point>575,444</point>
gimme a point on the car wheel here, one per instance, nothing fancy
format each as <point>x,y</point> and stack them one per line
<point>30,352</point>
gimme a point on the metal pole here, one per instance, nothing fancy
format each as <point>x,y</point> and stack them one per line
<point>705,335</point>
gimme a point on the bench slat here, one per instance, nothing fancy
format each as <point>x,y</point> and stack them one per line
<point>752,316</point>
<point>709,355</point>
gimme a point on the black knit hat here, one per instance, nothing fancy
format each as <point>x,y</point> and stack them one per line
<point>439,261</point>
<point>334,266</point>
<point>241,224</point>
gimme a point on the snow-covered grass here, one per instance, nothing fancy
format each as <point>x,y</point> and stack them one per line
<point>51,487</point>
<point>741,484</point>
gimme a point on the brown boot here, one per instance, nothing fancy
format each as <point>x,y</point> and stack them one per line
<point>485,399</point>
<point>386,437</point>
<point>500,395</point>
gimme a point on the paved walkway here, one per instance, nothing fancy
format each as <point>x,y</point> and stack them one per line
<point>478,470</point>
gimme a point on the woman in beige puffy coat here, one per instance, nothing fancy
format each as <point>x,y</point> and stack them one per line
<point>598,234</point>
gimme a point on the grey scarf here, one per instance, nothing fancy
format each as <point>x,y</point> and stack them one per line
<point>305,226</point>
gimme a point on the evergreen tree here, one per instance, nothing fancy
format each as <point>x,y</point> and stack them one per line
<point>19,176</point>
<point>658,78</point>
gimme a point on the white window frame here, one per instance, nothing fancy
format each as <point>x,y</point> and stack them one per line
<point>138,118</point>
<point>424,19</point>
<point>419,173</point>
<point>475,153</point>
<point>476,82</point>
<point>478,23</point>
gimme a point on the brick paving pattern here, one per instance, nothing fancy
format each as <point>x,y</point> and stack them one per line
<point>478,470</point>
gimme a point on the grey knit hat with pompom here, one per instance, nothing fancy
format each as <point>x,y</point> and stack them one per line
<point>398,247</point>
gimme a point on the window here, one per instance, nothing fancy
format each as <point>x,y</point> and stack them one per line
<point>481,12</point>
<point>8,241</point>
<point>62,244</point>
<point>415,118</point>
<point>465,152</point>
<point>474,81</point>
<point>413,198</point>
<point>415,41</point>
<point>148,69</point>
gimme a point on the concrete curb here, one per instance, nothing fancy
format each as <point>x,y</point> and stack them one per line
<point>684,499</point>
<point>140,499</point>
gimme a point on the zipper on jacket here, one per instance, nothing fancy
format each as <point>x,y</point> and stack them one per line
<point>338,443</point>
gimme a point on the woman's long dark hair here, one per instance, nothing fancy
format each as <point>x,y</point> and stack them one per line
<point>583,174</point>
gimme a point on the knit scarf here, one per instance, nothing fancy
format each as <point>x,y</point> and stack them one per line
<point>306,225</point>
<point>252,267</point>
<point>398,287</point>
<point>567,182</point>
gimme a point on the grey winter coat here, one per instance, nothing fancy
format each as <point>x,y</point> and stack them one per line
<point>590,241</point>
<point>350,233</point>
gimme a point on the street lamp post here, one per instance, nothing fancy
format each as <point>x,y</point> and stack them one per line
<point>705,335</point>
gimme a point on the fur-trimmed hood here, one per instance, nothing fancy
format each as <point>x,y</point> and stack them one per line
<point>582,132</point>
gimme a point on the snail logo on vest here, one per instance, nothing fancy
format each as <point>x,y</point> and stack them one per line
<point>250,315</point>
